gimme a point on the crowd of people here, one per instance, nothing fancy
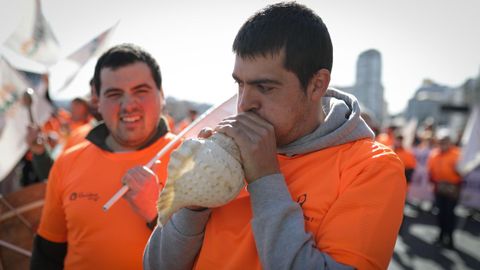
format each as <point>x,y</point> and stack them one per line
<point>321,192</point>
<point>68,127</point>
<point>432,159</point>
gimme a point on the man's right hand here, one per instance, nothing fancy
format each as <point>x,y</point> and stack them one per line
<point>143,190</point>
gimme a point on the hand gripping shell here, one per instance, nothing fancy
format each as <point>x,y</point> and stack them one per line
<point>201,172</point>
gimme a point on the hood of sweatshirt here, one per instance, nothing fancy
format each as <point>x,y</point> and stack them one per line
<point>342,124</point>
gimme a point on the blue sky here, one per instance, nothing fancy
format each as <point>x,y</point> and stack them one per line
<point>418,39</point>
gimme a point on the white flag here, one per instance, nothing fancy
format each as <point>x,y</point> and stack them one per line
<point>15,117</point>
<point>212,117</point>
<point>34,37</point>
<point>69,68</point>
<point>409,132</point>
<point>92,48</point>
<point>470,156</point>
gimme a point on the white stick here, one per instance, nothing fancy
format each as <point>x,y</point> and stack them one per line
<point>162,152</point>
<point>115,197</point>
<point>15,248</point>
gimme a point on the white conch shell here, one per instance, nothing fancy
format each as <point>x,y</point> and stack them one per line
<point>201,172</point>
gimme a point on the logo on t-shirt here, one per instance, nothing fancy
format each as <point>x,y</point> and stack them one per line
<point>301,201</point>
<point>84,195</point>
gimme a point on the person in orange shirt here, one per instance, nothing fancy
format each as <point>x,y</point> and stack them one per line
<point>321,193</point>
<point>74,231</point>
<point>80,113</point>
<point>44,154</point>
<point>63,123</point>
<point>406,156</point>
<point>80,133</point>
<point>170,121</point>
<point>192,115</point>
<point>387,138</point>
<point>441,165</point>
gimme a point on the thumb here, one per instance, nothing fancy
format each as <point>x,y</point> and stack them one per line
<point>155,165</point>
<point>205,133</point>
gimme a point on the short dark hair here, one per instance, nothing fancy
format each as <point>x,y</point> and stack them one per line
<point>294,28</point>
<point>123,55</point>
<point>81,101</point>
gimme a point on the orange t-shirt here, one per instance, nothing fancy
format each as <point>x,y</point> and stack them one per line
<point>385,139</point>
<point>52,128</point>
<point>52,125</point>
<point>352,196</point>
<point>442,166</point>
<point>407,157</point>
<point>81,181</point>
<point>78,135</point>
<point>69,129</point>
<point>74,125</point>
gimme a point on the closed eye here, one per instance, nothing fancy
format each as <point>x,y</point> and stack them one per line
<point>112,93</point>
<point>264,88</point>
<point>142,91</point>
<point>142,88</point>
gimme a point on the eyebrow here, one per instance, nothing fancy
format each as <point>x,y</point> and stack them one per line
<point>143,85</point>
<point>108,90</point>
<point>258,81</point>
<point>114,89</point>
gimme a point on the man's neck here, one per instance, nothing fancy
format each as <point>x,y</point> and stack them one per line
<point>310,124</point>
<point>113,145</point>
<point>117,147</point>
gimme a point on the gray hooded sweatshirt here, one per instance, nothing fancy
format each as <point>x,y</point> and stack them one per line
<point>176,245</point>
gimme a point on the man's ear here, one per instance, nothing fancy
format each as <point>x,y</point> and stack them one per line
<point>319,84</point>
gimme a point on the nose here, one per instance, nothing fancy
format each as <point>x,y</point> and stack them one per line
<point>129,102</point>
<point>247,99</point>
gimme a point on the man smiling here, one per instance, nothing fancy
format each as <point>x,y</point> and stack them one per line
<point>321,193</point>
<point>74,232</point>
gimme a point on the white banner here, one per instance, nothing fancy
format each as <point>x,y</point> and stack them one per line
<point>14,115</point>
<point>409,132</point>
<point>470,195</point>
<point>68,69</point>
<point>34,37</point>
<point>212,117</point>
<point>470,157</point>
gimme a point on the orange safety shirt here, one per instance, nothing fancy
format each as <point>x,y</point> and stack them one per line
<point>407,157</point>
<point>352,197</point>
<point>385,139</point>
<point>81,181</point>
<point>78,135</point>
<point>77,124</point>
<point>442,165</point>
